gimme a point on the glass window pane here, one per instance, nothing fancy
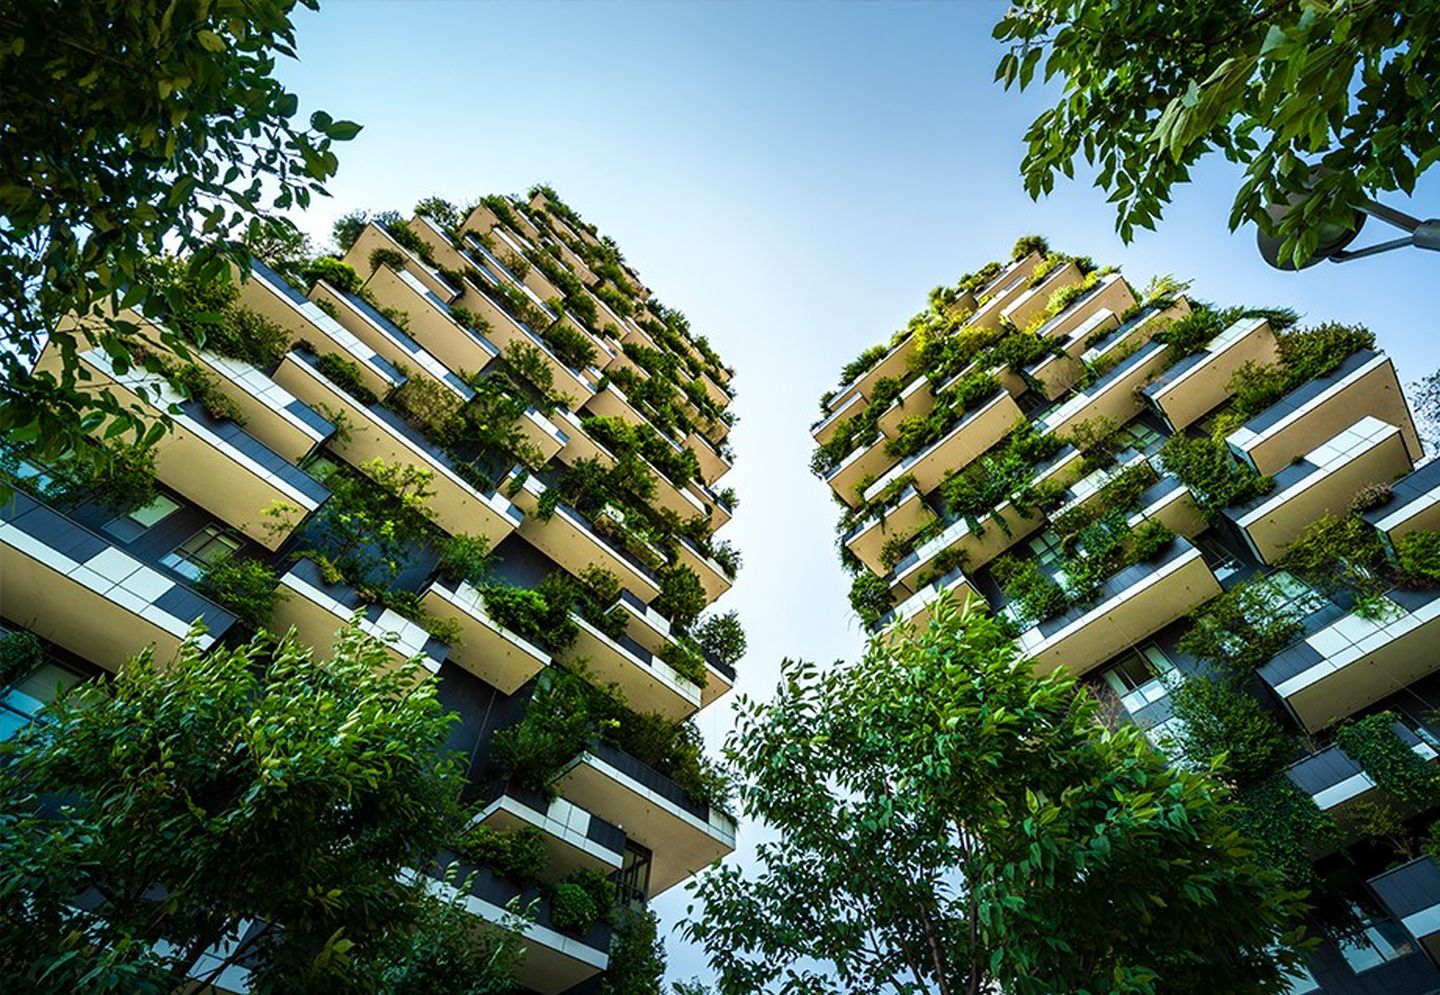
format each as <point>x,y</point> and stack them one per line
<point>154,511</point>
<point>40,688</point>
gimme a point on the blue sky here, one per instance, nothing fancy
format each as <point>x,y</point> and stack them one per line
<point>795,178</point>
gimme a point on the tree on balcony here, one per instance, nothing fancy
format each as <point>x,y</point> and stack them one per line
<point>949,822</point>
<point>145,821</point>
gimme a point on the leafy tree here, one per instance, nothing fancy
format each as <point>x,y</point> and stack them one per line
<point>948,822</point>
<point>144,821</point>
<point>637,957</point>
<point>446,953</point>
<point>1276,85</point>
<point>134,127</point>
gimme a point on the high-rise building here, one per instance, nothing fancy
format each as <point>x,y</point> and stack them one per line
<point>564,433</point>
<point>1198,510</point>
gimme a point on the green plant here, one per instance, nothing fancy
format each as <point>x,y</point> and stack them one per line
<point>465,558</point>
<point>684,656</point>
<point>1418,557</point>
<point>862,363</point>
<point>637,957</point>
<point>1034,594</point>
<point>375,520</point>
<point>532,615</point>
<point>869,597</point>
<point>401,232</point>
<point>1241,629</point>
<point>722,637</point>
<point>1149,539</point>
<point>1373,744</point>
<point>248,336</point>
<point>430,407</point>
<point>600,888</point>
<point>247,588</point>
<point>1026,244</point>
<point>385,256</point>
<point>1380,823</point>
<point>444,213</point>
<point>571,907</point>
<point>336,272</point>
<point>1220,718</point>
<point>1214,477</point>
<point>1339,554</point>
<point>1287,825</point>
<point>20,653</point>
<point>1370,496</point>
<point>518,854</point>
<point>682,597</point>
<point>573,347</point>
<point>345,374</point>
<point>201,386</point>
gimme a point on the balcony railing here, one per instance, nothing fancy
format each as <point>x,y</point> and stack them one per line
<point>648,682</point>
<point>684,834</point>
<point>1355,661</point>
<point>1410,893</point>
<point>1031,303</point>
<point>285,424</point>
<point>1114,396</point>
<point>317,609</point>
<point>1333,780</point>
<point>574,839</point>
<point>1323,483</point>
<point>901,518</point>
<point>77,590</point>
<point>975,432</point>
<point>1200,382</point>
<point>1128,608</point>
<point>487,649</point>
<point>555,961</point>
<point>1414,504</point>
<point>915,610</point>
<point>1364,384</point>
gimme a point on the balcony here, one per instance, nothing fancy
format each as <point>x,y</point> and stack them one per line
<point>901,518</point>
<point>284,424</point>
<point>317,611</point>
<point>712,576</point>
<point>1003,291</point>
<point>575,840</point>
<point>895,363</point>
<point>651,630</point>
<point>374,433</point>
<point>1364,384</point>
<point>713,466</point>
<point>457,347</point>
<point>1354,662</point>
<point>824,429</point>
<point>578,445</point>
<point>554,961</point>
<point>72,587</point>
<point>1114,396</point>
<point>649,683</point>
<point>1414,504</point>
<point>1410,893</point>
<point>1333,780</point>
<point>1323,483</point>
<point>972,435</point>
<point>215,464</point>
<point>915,610</point>
<point>1199,383</point>
<point>569,539</point>
<point>917,398</point>
<point>389,341</point>
<point>486,649</point>
<point>982,541</point>
<point>373,237</point>
<point>1030,304</point>
<point>684,834</point>
<point>610,402</point>
<point>1130,607</point>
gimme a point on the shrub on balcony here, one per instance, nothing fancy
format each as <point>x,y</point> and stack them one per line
<point>682,597</point>
<point>373,523</point>
<point>1223,717</point>
<point>527,362</point>
<point>1214,477</point>
<point>119,476</point>
<point>1148,540</point>
<point>20,653</point>
<point>537,615</point>
<point>201,386</point>
<point>348,227</point>
<point>441,211</point>
<point>248,336</point>
<point>685,658</point>
<point>345,374</point>
<point>1418,557</point>
<point>469,319</point>
<point>246,588</point>
<point>1034,594</point>
<point>637,957</point>
<point>1372,743</point>
<point>573,347</point>
<point>1240,630</point>
<point>1287,824</point>
<point>722,636</point>
<point>915,432</point>
<point>386,256</point>
<point>401,232</point>
<point>1370,496</point>
<point>465,558</point>
<point>869,597</point>
<point>336,272</point>
<point>1026,244</point>
<point>431,408</point>
<point>572,908</point>
<point>862,363</point>
<point>518,854</point>
<point>1335,555</point>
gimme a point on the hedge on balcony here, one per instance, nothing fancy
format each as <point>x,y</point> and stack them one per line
<point>567,711</point>
<point>1372,743</point>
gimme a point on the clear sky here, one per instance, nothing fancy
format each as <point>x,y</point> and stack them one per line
<point>795,177</point>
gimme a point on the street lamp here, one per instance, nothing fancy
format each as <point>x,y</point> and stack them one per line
<point>1334,238</point>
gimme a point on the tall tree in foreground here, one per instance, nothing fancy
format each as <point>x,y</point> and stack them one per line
<point>948,822</point>
<point>144,822</point>
<point>130,128</point>
<point>1277,85</point>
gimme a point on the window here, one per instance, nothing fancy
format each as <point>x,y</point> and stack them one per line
<point>1222,562</point>
<point>1377,939</point>
<point>20,703</point>
<point>1049,554</point>
<point>633,881</point>
<point>1137,669</point>
<point>1141,438</point>
<point>195,555</point>
<point>319,466</point>
<point>134,524</point>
